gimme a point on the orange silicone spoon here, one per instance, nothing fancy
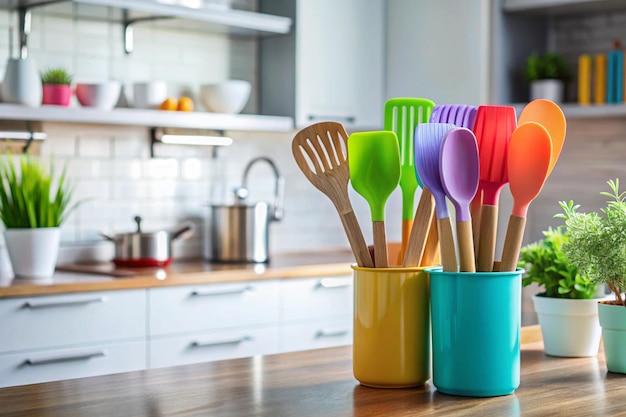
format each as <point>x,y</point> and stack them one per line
<point>529,156</point>
<point>548,114</point>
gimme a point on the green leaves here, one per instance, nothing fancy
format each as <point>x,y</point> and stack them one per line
<point>28,198</point>
<point>547,66</point>
<point>546,264</point>
<point>597,244</point>
<point>56,76</point>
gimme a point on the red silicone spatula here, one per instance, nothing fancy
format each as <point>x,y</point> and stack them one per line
<point>493,128</point>
<point>529,157</point>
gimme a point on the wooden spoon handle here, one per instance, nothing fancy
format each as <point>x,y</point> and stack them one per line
<point>431,251</point>
<point>475,207</point>
<point>446,242</point>
<point>466,246</point>
<point>380,245</point>
<point>356,239</point>
<point>512,243</point>
<point>421,225</point>
<point>487,241</point>
<point>407,227</point>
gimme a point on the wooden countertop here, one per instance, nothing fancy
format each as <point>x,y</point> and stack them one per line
<point>316,383</point>
<point>289,265</point>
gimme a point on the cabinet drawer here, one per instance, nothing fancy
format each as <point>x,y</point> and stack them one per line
<point>316,335</point>
<point>214,306</point>
<point>212,346</point>
<point>56,364</point>
<point>313,298</point>
<point>72,319</point>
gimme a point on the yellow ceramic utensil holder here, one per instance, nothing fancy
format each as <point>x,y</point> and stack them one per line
<point>391,346</point>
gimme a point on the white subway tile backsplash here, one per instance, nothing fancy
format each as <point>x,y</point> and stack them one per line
<point>160,168</point>
<point>59,145</point>
<point>95,145</point>
<point>130,169</point>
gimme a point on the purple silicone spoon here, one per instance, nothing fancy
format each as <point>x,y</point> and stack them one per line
<point>460,173</point>
<point>461,115</point>
<point>428,139</point>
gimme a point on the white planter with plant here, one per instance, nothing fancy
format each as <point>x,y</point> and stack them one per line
<point>548,75</point>
<point>597,247</point>
<point>32,208</point>
<point>566,310</point>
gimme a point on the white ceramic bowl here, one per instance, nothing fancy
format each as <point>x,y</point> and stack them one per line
<point>103,96</point>
<point>149,95</point>
<point>229,96</point>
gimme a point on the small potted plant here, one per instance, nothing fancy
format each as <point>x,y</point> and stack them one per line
<point>33,205</point>
<point>567,309</point>
<point>547,74</point>
<point>57,89</point>
<point>597,247</point>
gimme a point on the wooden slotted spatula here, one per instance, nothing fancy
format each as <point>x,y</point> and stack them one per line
<point>320,150</point>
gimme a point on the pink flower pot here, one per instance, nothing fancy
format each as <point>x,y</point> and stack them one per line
<point>57,94</point>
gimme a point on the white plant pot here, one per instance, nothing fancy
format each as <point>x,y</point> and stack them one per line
<point>33,252</point>
<point>570,328</point>
<point>613,321</point>
<point>547,89</point>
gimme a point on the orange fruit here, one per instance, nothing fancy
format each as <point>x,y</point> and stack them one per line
<point>185,104</point>
<point>169,104</point>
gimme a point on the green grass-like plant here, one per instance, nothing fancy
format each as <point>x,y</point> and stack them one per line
<point>28,197</point>
<point>597,242</point>
<point>546,264</point>
<point>547,66</point>
<point>56,76</point>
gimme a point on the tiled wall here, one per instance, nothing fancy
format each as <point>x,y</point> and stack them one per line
<point>111,166</point>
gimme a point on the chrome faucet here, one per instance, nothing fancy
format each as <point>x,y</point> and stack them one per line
<point>241,193</point>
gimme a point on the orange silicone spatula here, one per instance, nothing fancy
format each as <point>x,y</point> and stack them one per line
<point>530,152</point>
<point>548,114</point>
<point>493,128</point>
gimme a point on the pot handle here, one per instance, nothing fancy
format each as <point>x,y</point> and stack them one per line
<point>108,235</point>
<point>183,231</point>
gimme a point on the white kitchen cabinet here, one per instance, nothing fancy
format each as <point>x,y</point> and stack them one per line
<point>213,346</point>
<point>71,319</point>
<point>316,334</point>
<point>330,67</point>
<point>30,367</point>
<point>176,310</point>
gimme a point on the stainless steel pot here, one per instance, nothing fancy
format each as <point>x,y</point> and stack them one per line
<point>145,249</point>
<point>239,233</point>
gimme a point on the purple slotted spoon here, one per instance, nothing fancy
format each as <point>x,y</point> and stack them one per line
<point>459,169</point>
<point>428,139</point>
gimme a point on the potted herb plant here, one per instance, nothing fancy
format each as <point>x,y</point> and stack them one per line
<point>32,208</point>
<point>57,88</point>
<point>597,247</point>
<point>547,74</point>
<point>566,309</point>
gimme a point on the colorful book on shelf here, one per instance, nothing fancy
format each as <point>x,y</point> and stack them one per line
<point>599,79</point>
<point>584,79</point>
<point>615,77</point>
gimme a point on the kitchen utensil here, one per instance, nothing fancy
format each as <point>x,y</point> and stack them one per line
<point>330,175</point>
<point>549,115</point>
<point>459,170</point>
<point>240,232</point>
<point>428,139</point>
<point>103,96</point>
<point>145,249</point>
<point>229,96</point>
<point>493,128</point>
<point>461,115</point>
<point>374,159</point>
<point>401,117</point>
<point>530,152</point>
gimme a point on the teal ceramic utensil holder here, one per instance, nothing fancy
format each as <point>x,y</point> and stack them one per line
<point>476,320</point>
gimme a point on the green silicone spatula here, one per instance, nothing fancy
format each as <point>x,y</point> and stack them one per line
<point>401,116</point>
<point>374,161</point>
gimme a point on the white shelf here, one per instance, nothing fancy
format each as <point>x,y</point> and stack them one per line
<point>148,118</point>
<point>206,17</point>
<point>593,111</point>
<point>554,7</point>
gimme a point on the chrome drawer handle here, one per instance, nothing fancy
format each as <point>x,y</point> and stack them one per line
<point>236,290</point>
<point>331,333</point>
<point>334,282</point>
<point>347,119</point>
<point>66,357</point>
<point>197,343</point>
<point>61,303</point>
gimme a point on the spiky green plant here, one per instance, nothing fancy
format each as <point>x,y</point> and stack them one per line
<point>547,66</point>
<point>29,198</point>
<point>56,76</point>
<point>546,265</point>
<point>597,243</point>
